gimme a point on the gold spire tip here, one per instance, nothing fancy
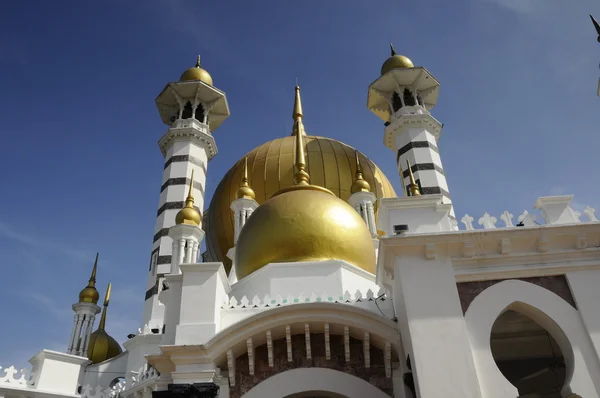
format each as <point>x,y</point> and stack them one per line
<point>412,188</point>
<point>102,323</point>
<point>244,191</point>
<point>94,269</point>
<point>297,105</point>
<point>198,62</point>
<point>359,184</point>
<point>107,296</point>
<point>191,191</point>
<point>392,51</point>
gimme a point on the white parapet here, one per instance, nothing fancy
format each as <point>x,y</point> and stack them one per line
<point>57,372</point>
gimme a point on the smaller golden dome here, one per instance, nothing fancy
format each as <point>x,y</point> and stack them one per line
<point>196,73</point>
<point>359,184</point>
<point>189,214</point>
<point>396,61</point>
<point>89,294</point>
<point>102,346</point>
<point>244,191</point>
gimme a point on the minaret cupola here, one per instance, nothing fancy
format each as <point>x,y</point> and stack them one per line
<point>196,74</point>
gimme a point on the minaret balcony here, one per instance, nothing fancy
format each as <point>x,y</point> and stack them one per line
<point>189,130</point>
<point>190,123</point>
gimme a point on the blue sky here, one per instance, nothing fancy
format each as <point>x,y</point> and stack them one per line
<point>81,165</point>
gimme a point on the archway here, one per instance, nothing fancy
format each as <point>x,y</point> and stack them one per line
<point>548,310</point>
<point>528,356</point>
<point>325,383</point>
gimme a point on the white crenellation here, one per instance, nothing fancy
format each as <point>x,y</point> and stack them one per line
<point>15,377</point>
<point>487,221</point>
<point>590,213</point>
<point>467,220</point>
<point>268,302</point>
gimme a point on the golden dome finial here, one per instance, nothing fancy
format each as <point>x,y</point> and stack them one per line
<point>360,184</point>
<point>189,214</point>
<point>297,115</point>
<point>102,323</point>
<point>244,191</point>
<point>396,61</point>
<point>89,294</point>
<point>196,74</point>
<point>301,177</point>
<point>412,188</point>
<point>102,346</point>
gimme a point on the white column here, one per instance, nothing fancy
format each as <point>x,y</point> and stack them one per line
<point>174,256</point>
<point>84,328</point>
<point>181,252</point>
<point>236,226</point>
<point>188,251</point>
<point>72,339</point>
<point>195,252</point>
<point>88,332</point>
<point>77,341</point>
<point>371,215</point>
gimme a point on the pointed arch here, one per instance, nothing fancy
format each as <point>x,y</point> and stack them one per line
<point>549,310</point>
<point>314,379</point>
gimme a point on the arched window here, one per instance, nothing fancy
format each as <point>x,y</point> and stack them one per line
<point>187,111</point>
<point>396,102</point>
<point>528,356</point>
<point>409,100</point>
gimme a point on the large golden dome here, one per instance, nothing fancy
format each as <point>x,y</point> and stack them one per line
<point>304,223</point>
<point>330,163</point>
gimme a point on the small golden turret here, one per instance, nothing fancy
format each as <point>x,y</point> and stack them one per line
<point>412,188</point>
<point>245,191</point>
<point>196,74</point>
<point>102,346</point>
<point>360,184</point>
<point>89,294</point>
<point>189,214</point>
<point>395,61</point>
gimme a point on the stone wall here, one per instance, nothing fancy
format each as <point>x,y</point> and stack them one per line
<point>375,374</point>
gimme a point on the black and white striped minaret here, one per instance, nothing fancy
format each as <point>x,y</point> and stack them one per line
<point>402,97</point>
<point>192,108</point>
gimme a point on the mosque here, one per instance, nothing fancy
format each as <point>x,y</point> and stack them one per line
<point>319,280</point>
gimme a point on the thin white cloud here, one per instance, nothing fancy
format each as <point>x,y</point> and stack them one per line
<point>41,243</point>
<point>518,6</point>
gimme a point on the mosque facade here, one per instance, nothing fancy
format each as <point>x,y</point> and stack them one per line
<point>318,280</point>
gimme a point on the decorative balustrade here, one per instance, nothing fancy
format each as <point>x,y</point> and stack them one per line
<point>14,377</point>
<point>526,219</point>
<point>278,301</point>
<point>144,374</point>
